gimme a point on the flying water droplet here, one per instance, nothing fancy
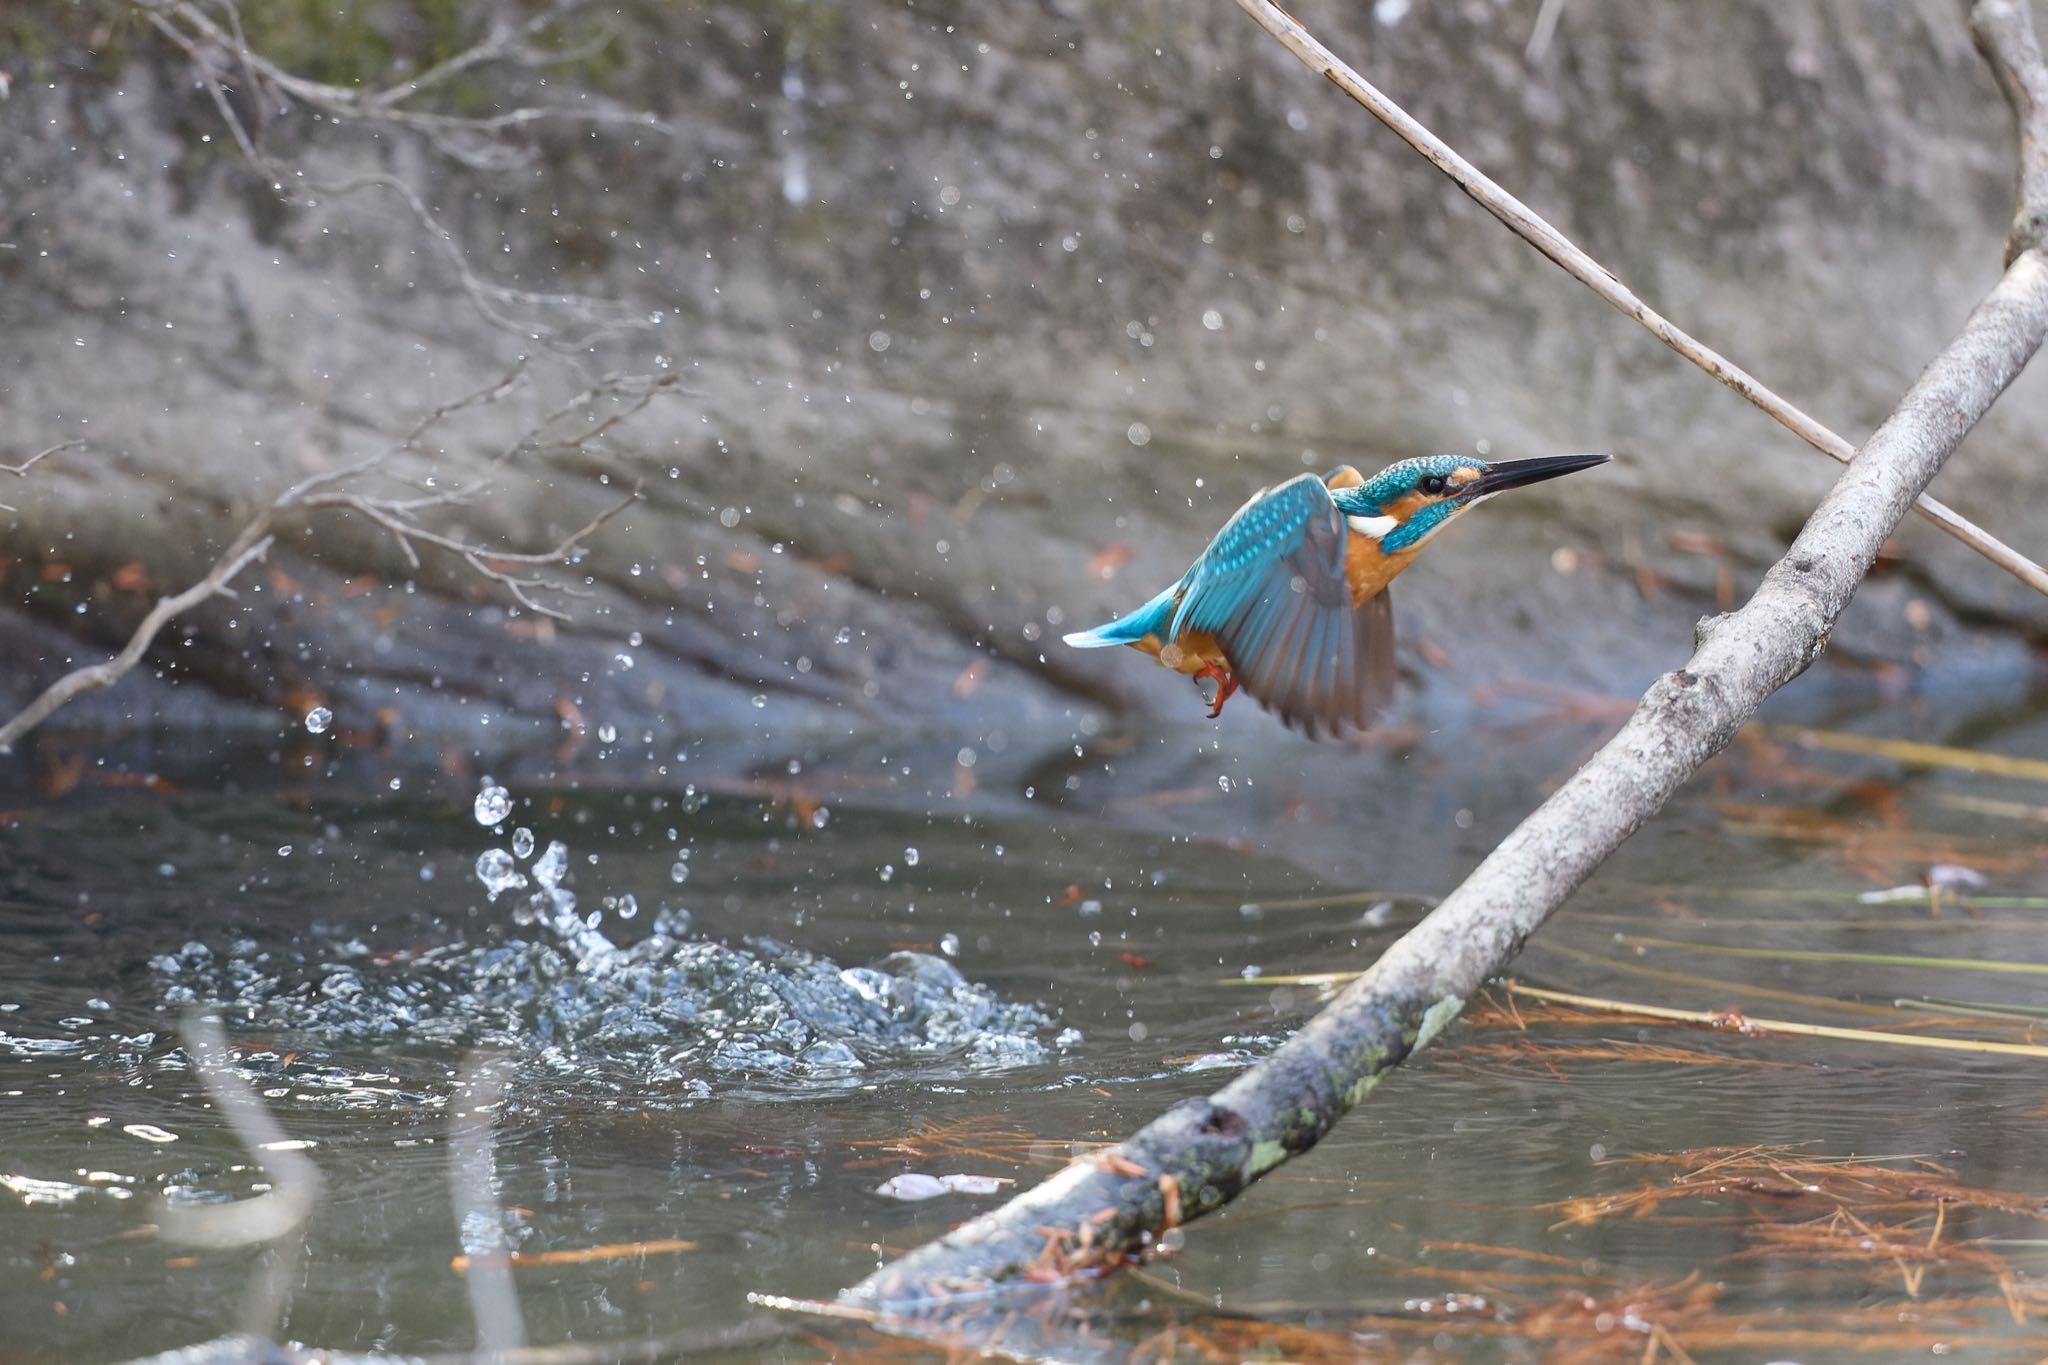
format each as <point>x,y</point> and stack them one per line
<point>549,868</point>
<point>910,857</point>
<point>318,719</point>
<point>607,733</point>
<point>522,842</point>
<point>1223,782</point>
<point>493,803</point>
<point>496,870</point>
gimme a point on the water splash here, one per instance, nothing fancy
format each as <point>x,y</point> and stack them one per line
<point>671,1012</point>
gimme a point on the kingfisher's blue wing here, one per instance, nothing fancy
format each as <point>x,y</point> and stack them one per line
<point>1271,589</point>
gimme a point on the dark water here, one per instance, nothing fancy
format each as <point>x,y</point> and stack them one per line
<point>851,962</point>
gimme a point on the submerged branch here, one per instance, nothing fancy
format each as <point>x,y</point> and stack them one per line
<point>1112,1206</point>
<point>1531,227</point>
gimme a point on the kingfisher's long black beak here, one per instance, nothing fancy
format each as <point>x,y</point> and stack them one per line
<point>1520,473</point>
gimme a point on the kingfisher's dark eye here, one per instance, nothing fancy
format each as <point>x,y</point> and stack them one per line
<point>1435,483</point>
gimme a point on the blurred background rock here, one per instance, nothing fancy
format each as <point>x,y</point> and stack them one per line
<point>981,319</point>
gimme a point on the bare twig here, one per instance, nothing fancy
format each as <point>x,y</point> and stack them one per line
<point>474,141</point>
<point>1544,30</point>
<point>251,545</point>
<point>2004,32</point>
<point>396,515</point>
<point>21,470</point>
<point>1531,227</point>
<point>1110,1206</point>
<point>188,26</point>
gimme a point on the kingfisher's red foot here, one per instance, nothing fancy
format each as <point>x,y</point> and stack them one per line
<point>1226,685</point>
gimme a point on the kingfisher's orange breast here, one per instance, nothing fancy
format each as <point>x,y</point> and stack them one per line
<point>1368,570</point>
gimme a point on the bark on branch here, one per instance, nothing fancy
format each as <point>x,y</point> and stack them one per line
<point>1111,1206</point>
<point>2004,32</point>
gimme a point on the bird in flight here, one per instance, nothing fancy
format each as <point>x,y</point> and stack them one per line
<point>1289,602</point>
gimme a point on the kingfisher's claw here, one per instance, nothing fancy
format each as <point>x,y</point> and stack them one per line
<point>1226,685</point>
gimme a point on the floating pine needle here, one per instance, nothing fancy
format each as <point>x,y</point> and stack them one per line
<point>1714,987</point>
<point>1912,752</point>
<point>987,1137</point>
<point>1985,805</point>
<point>1769,1027</point>
<point>1977,1007</point>
<point>1602,1050</point>
<point>1910,1248</point>
<point>611,1251</point>
<point>1367,899</point>
<point>1864,845</point>
<point>1793,894</point>
<point>1953,964</point>
<point>1865,1184</point>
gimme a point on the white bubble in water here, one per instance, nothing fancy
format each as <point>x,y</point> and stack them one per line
<point>284,850</point>
<point>949,944</point>
<point>679,872</point>
<point>318,719</point>
<point>910,857</point>
<point>493,803</point>
<point>1223,783</point>
<point>820,817</point>
<point>522,842</point>
<point>607,733</point>
<point>627,906</point>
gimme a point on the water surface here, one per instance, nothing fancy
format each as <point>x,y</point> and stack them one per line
<point>859,978</point>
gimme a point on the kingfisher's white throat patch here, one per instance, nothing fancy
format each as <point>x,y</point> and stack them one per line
<point>1373,528</point>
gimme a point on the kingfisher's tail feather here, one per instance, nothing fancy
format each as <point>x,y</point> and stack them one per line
<point>1150,619</point>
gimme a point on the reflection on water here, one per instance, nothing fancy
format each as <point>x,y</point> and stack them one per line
<point>712,1074</point>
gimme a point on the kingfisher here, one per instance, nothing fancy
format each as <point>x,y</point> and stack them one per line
<point>1289,601</point>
